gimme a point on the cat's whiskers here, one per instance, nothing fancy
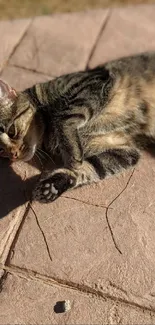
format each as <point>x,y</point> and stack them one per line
<point>34,160</point>
<point>44,154</point>
<point>41,155</point>
<point>39,158</point>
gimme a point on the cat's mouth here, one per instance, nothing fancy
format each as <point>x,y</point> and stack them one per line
<point>4,154</point>
<point>26,155</point>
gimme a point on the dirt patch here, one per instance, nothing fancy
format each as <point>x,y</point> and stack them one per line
<point>27,8</point>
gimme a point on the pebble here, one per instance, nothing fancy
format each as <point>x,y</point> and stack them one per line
<point>62,306</point>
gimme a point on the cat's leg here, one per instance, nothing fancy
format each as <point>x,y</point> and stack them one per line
<point>93,169</point>
<point>70,145</point>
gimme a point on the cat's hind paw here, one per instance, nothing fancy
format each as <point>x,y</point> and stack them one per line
<point>50,189</point>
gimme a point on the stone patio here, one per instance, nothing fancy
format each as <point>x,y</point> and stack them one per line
<point>96,245</point>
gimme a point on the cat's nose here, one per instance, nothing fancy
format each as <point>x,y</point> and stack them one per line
<point>14,155</point>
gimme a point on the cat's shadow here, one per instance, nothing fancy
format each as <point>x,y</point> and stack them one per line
<point>14,191</point>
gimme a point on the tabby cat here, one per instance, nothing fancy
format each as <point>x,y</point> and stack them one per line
<point>96,121</point>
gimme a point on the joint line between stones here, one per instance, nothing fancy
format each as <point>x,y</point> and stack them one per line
<point>18,231</point>
<point>105,22</point>
<point>18,43</point>
<point>80,288</point>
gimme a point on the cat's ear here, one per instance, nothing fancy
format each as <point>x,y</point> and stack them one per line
<point>7,93</point>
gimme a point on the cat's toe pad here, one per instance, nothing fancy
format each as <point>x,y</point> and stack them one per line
<point>49,189</point>
<point>45,192</point>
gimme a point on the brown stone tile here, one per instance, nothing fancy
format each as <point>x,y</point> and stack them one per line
<point>68,227</point>
<point>80,243</point>
<point>129,30</point>
<point>16,184</point>
<point>11,32</point>
<point>21,79</point>
<point>25,301</point>
<point>60,43</point>
<point>70,239</point>
<point>12,204</point>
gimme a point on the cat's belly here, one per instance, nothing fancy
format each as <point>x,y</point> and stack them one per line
<point>98,137</point>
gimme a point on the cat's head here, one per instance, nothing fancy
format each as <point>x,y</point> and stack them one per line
<point>20,127</point>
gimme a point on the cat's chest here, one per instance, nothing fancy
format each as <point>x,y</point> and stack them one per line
<point>51,135</point>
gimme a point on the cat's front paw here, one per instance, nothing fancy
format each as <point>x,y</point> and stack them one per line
<point>50,189</point>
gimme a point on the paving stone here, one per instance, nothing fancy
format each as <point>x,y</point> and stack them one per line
<point>69,240</point>
<point>80,244</point>
<point>21,79</point>
<point>13,201</point>
<point>12,207</point>
<point>11,32</point>
<point>129,30</point>
<point>24,301</point>
<point>60,43</point>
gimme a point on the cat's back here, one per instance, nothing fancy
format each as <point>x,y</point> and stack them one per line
<point>141,66</point>
<point>133,92</point>
<point>133,82</point>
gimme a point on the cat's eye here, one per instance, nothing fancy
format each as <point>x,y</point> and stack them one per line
<point>12,132</point>
<point>1,129</point>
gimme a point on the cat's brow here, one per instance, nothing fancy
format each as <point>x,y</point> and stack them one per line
<point>21,113</point>
<point>17,116</point>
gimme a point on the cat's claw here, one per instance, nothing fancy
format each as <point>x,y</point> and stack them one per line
<point>50,189</point>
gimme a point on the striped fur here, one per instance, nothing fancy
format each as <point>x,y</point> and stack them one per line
<point>95,121</point>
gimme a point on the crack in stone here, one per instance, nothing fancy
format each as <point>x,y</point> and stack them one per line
<point>43,235</point>
<point>104,24</point>
<point>85,202</point>
<point>108,207</point>
<point>80,288</point>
